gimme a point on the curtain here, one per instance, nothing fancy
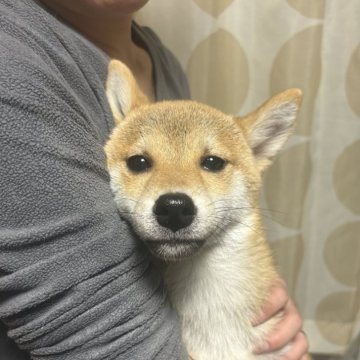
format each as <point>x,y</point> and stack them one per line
<point>236,54</point>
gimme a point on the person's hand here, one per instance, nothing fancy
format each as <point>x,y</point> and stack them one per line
<point>289,330</point>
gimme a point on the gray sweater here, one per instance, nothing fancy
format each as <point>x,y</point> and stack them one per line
<point>75,283</point>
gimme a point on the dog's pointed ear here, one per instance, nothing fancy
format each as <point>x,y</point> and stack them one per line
<point>122,91</point>
<point>268,127</point>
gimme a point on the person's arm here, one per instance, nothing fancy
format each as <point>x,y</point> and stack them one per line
<point>74,282</point>
<point>289,330</point>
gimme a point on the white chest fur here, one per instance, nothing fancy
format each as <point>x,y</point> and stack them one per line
<point>218,293</point>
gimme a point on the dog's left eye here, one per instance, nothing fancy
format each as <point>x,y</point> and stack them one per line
<point>213,163</point>
<point>138,163</point>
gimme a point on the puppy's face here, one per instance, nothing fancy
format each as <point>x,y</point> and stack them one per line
<point>182,172</point>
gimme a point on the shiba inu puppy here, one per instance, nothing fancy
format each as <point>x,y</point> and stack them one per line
<point>187,178</point>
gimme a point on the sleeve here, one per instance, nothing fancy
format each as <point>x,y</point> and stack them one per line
<point>74,282</point>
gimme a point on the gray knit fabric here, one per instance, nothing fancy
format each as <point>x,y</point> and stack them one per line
<point>74,281</point>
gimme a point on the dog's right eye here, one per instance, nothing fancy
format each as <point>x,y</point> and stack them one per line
<point>138,163</point>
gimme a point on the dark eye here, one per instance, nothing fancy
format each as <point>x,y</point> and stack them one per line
<point>138,163</point>
<point>213,163</point>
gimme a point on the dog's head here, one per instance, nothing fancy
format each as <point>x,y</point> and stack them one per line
<point>183,172</point>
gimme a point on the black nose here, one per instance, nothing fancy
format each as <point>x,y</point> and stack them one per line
<point>174,211</point>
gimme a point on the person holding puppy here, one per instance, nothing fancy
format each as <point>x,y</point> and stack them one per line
<point>74,281</point>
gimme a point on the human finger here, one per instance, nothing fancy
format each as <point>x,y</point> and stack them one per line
<point>276,302</point>
<point>285,332</point>
<point>298,349</point>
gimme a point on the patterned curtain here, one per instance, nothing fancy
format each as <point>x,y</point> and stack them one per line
<point>236,54</point>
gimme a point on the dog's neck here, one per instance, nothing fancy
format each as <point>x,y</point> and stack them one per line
<point>224,286</point>
<point>235,262</point>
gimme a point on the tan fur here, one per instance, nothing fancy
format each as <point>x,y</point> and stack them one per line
<point>217,288</point>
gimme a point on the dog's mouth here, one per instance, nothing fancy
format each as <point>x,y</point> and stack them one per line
<point>174,250</point>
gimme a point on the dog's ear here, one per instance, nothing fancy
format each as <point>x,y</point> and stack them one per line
<point>268,127</point>
<point>122,91</point>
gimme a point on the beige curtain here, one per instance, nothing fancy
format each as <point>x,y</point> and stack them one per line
<point>237,53</point>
